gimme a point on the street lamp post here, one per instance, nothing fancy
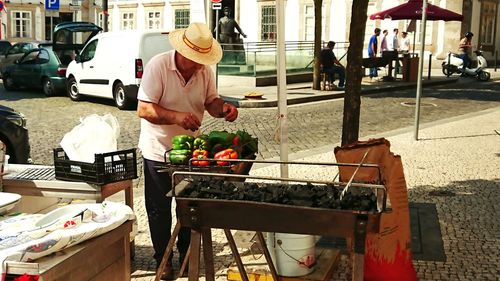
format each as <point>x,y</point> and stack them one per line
<point>105,15</point>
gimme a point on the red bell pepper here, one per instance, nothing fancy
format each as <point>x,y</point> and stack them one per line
<point>225,154</point>
<point>200,154</point>
<point>236,140</point>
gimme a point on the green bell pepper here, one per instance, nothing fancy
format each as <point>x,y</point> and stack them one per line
<point>179,159</point>
<point>182,139</point>
<point>221,137</point>
<point>201,142</point>
<point>180,156</point>
<point>177,146</point>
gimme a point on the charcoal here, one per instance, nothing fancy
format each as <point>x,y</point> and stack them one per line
<point>309,195</point>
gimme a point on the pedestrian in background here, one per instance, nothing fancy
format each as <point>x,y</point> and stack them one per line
<point>404,45</point>
<point>176,89</point>
<point>465,50</point>
<point>383,43</point>
<point>372,51</point>
<point>395,40</point>
<point>330,65</point>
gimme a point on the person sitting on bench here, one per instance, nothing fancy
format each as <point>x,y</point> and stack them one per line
<point>330,65</point>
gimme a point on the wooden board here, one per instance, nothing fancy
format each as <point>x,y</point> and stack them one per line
<point>103,258</point>
<point>257,269</point>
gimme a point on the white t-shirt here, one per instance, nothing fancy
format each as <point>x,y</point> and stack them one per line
<point>383,44</point>
<point>405,44</point>
<point>163,84</point>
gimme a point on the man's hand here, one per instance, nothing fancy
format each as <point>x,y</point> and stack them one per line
<point>188,121</point>
<point>229,112</point>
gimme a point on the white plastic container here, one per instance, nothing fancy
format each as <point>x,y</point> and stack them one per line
<point>295,254</point>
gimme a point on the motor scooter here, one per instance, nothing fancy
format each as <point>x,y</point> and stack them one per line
<point>453,64</point>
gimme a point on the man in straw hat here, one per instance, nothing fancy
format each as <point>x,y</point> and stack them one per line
<point>176,89</point>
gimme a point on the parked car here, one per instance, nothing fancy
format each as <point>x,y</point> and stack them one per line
<point>4,46</point>
<point>39,68</point>
<point>15,52</point>
<point>45,66</point>
<point>111,65</point>
<point>14,134</point>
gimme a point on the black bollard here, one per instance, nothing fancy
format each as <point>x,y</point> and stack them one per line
<point>496,60</point>
<point>430,65</point>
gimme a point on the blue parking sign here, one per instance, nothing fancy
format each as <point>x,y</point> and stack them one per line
<point>52,4</point>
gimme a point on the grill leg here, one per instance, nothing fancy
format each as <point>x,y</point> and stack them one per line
<point>358,248</point>
<point>194,256</point>
<point>185,262</point>
<point>236,254</point>
<point>208,256</point>
<point>269,260</point>
<point>168,251</point>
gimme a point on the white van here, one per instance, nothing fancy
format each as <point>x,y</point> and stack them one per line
<point>111,65</point>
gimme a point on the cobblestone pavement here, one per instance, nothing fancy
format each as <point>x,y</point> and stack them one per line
<point>460,159</point>
<point>310,125</point>
<point>318,125</point>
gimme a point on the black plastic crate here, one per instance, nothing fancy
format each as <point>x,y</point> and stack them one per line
<point>107,168</point>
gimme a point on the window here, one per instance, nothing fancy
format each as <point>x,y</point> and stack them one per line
<point>428,29</point>
<point>428,32</point>
<point>89,51</point>
<point>268,23</point>
<point>153,20</point>
<point>100,20</point>
<point>309,22</point>
<point>29,58</point>
<point>487,26</point>
<point>43,56</point>
<point>181,18</point>
<point>21,24</point>
<point>128,22</point>
<point>370,24</point>
<point>20,48</point>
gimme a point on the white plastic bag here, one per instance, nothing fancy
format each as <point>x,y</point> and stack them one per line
<point>94,134</point>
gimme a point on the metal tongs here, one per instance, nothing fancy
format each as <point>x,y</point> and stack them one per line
<point>349,183</point>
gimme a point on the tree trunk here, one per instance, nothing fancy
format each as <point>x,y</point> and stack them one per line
<point>318,4</point>
<point>352,100</point>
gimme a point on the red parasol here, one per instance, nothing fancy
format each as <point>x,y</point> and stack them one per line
<point>412,10</point>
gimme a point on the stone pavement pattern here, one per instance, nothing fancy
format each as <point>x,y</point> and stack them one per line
<point>461,156</point>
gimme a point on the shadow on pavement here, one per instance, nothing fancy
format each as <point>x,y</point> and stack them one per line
<point>447,92</point>
<point>21,95</point>
<point>458,137</point>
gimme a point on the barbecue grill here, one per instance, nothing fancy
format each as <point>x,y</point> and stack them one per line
<point>202,214</point>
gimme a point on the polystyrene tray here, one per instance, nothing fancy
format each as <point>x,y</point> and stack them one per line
<point>8,201</point>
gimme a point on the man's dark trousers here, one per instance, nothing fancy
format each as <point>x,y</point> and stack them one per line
<point>336,69</point>
<point>158,207</point>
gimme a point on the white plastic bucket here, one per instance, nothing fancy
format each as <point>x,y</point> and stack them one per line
<point>295,254</point>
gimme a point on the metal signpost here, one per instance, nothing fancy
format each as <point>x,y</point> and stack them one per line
<point>217,6</point>
<point>52,7</point>
<point>420,68</point>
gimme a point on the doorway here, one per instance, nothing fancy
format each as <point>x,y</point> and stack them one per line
<point>49,28</point>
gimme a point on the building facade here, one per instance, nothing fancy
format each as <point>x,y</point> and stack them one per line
<point>27,20</point>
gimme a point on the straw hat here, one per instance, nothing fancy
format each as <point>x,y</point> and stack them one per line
<point>196,43</point>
